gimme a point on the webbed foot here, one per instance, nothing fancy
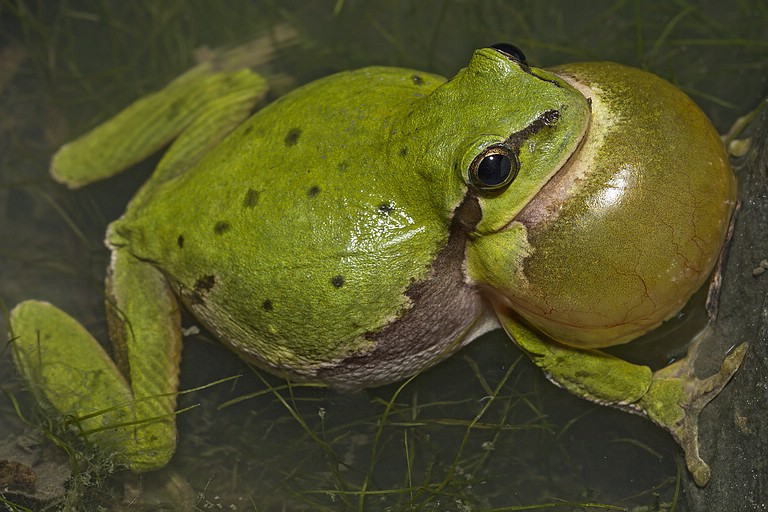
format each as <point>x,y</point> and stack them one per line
<point>676,397</point>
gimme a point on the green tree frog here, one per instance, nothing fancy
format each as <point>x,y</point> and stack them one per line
<point>371,223</point>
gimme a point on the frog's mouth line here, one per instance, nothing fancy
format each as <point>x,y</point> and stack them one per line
<point>543,79</point>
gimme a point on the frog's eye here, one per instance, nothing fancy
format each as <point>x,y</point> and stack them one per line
<point>512,52</point>
<point>494,168</point>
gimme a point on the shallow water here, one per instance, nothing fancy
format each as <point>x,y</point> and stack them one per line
<point>481,431</point>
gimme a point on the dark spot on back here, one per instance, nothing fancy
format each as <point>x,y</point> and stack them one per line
<point>404,151</point>
<point>343,166</point>
<point>337,281</point>
<point>417,80</point>
<point>313,191</point>
<point>205,283</point>
<point>221,227</point>
<point>201,288</point>
<point>251,198</point>
<point>292,137</point>
<point>180,241</point>
<point>267,305</point>
<point>385,208</point>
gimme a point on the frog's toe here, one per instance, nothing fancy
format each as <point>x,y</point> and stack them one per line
<point>702,391</point>
<point>676,401</point>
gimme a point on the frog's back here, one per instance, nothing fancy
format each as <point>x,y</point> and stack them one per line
<point>294,240</point>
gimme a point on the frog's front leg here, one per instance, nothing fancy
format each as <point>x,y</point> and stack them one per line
<point>672,397</point>
<point>126,408</point>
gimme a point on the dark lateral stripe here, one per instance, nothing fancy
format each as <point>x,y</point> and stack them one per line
<point>547,118</point>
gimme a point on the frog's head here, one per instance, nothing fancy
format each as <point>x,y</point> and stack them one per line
<point>525,124</point>
<point>501,129</point>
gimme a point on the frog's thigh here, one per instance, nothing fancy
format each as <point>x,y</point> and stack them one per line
<point>214,122</point>
<point>590,374</point>
<point>64,366</point>
<point>145,326</point>
<point>151,122</point>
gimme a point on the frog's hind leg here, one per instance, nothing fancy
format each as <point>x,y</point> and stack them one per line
<point>67,369</point>
<point>145,327</point>
<point>222,99</point>
<point>671,397</point>
<point>129,407</point>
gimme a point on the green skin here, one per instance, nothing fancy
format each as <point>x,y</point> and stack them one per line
<point>338,236</point>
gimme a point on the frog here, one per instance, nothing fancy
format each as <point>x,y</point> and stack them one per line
<point>363,227</point>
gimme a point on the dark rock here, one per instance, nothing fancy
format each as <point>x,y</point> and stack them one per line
<point>734,427</point>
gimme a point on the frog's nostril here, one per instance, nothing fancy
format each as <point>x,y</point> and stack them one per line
<point>512,52</point>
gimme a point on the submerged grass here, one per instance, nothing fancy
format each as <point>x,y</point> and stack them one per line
<point>391,450</point>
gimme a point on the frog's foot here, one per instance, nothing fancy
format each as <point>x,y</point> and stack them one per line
<point>676,398</point>
<point>73,377</point>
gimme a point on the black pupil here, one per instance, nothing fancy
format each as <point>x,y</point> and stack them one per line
<point>494,170</point>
